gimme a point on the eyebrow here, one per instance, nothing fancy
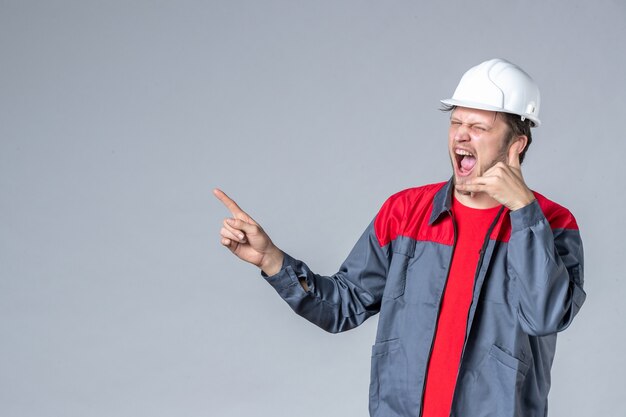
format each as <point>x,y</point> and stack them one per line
<point>483,124</point>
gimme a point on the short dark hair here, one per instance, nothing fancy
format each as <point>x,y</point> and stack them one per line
<point>515,123</point>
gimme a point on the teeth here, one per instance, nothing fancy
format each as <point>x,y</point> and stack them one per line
<point>462,152</point>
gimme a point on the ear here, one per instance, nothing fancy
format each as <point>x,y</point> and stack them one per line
<point>520,143</point>
<point>516,147</point>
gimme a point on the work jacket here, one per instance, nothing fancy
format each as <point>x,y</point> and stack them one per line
<point>528,286</point>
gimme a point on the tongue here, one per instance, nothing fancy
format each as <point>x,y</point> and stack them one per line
<point>468,162</point>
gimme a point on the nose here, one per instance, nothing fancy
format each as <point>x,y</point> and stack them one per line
<point>461,133</point>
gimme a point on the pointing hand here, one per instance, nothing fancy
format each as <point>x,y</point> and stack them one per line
<point>246,239</point>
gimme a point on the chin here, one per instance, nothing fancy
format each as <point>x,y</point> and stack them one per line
<point>461,179</point>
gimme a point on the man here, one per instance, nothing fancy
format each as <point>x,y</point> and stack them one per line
<point>472,278</point>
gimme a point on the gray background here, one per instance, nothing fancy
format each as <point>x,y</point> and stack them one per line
<point>118,118</point>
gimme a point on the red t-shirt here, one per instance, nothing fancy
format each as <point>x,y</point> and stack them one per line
<point>472,226</point>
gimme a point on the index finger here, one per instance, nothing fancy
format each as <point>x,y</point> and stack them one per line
<point>228,202</point>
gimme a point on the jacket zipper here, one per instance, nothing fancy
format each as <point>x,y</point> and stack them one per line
<point>482,251</point>
<point>432,343</point>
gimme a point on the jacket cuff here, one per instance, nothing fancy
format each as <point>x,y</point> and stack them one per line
<point>286,277</point>
<point>526,216</point>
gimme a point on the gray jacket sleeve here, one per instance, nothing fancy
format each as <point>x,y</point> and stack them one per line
<point>344,300</point>
<point>547,266</point>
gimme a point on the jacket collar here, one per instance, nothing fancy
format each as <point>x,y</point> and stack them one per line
<point>442,203</point>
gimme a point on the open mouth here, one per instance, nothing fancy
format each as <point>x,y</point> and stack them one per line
<point>465,161</point>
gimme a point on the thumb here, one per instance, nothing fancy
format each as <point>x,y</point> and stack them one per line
<point>242,225</point>
<point>513,159</point>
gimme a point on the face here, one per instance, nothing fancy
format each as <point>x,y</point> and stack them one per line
<point>477,140</point>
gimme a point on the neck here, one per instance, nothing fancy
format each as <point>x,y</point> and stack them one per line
<point>476,200</point>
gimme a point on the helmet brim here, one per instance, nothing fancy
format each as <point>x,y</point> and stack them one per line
<point>482,106</point>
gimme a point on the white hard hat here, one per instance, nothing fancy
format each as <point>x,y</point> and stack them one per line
<point>498,85</point>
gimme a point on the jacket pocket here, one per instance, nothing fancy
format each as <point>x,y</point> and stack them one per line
<point>499,384</point>
<point>508,360</point>
<point>494,387</point>
<point>403,249</point>
<point>389,380</point>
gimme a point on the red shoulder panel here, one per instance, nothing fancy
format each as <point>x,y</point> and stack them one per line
<point>407,214</point>
<point>558,216</point>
